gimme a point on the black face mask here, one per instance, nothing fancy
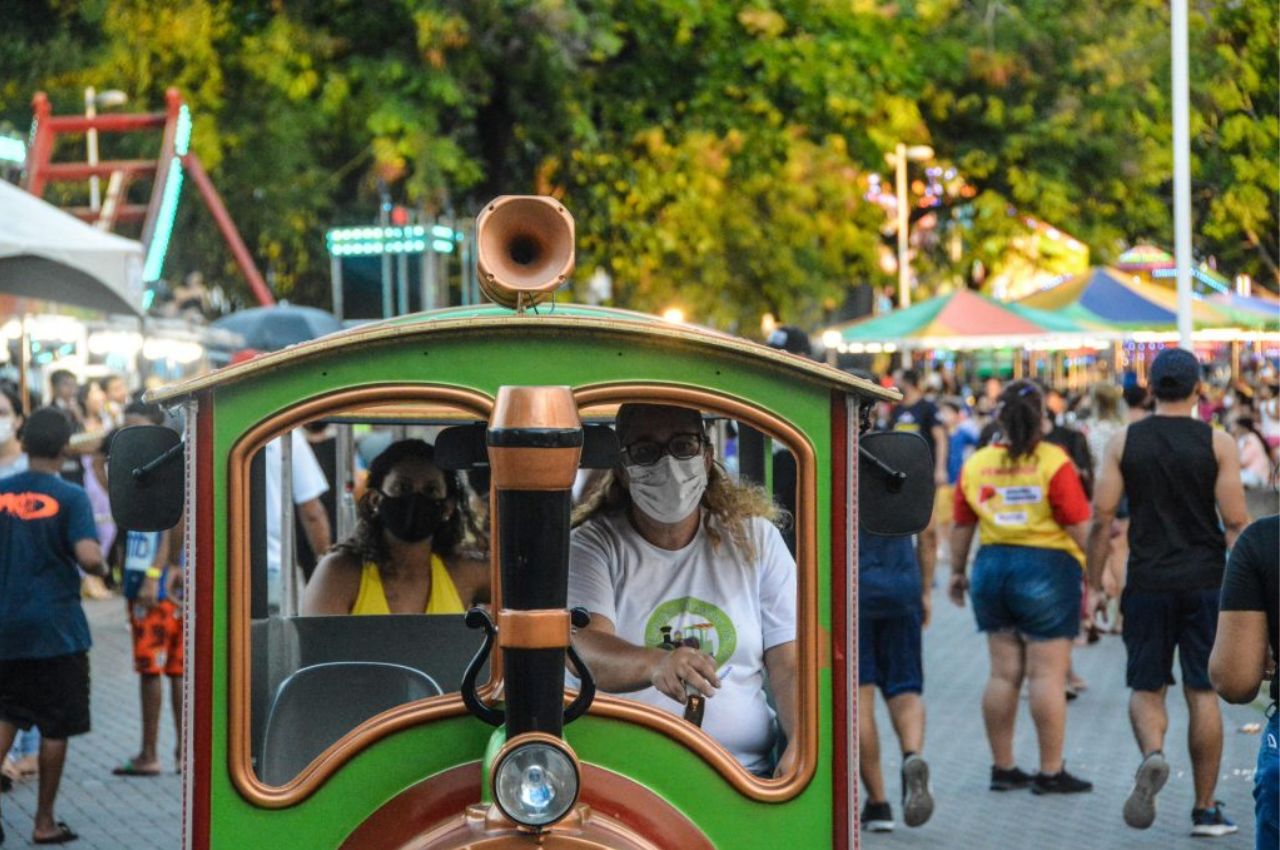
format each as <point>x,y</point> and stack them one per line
<point>413,517</point>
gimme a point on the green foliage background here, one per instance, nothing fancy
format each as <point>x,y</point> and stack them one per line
<point>715,154</point>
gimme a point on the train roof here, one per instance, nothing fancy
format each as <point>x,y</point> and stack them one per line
<point>494,320</point>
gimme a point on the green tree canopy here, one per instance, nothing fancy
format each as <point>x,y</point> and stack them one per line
<point>716,155</point>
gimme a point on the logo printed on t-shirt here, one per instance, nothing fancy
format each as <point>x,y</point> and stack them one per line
<point>29,506</point>
<point>1023,495</point>
<point>692,622</point>
<point>1010,518</point>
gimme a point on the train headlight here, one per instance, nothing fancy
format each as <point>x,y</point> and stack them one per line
<point>535,781</point>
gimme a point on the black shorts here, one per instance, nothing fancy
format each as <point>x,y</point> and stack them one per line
<point>51,694</point>
<point>1158,621</point>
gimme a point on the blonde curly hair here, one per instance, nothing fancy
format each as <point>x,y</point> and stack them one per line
<point>730,503</point>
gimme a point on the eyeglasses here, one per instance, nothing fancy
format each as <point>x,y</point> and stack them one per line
<point>680,447</point>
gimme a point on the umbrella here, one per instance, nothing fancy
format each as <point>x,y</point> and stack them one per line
<point>962,319</point>
<point>1143,257</point>
<point>272,328</point>
<point>52,256</point>
<point>1120,301</point>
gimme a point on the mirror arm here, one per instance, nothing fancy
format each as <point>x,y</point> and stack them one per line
<point>141,472</point>
<point>896,477</point>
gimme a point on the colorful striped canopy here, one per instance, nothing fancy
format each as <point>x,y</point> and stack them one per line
<point>1267,309</point>
<point>1123,302</point>
<point>946,319</point>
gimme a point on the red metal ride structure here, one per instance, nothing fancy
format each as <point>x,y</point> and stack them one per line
<point>174,158</point>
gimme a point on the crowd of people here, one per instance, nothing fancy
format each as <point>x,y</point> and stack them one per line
<point>1111,510</point>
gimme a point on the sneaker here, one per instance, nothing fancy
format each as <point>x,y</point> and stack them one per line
<point>1212,822</point>
<point>1140,808</point>
<point>1009,779</point>
<point>1060,783</point>
<point>877,817</point>
<point>917,795</point>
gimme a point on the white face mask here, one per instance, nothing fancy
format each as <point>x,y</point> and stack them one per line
<point>6,429</point>
<point>669,490</point>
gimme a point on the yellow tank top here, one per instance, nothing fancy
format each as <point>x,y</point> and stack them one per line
<point>444,599</point>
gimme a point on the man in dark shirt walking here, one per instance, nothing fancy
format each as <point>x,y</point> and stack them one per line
<point>1249,628</point>
<point>46,529</point>
<point>1179,475</point>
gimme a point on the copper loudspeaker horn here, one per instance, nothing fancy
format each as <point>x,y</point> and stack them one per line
<point>525,249</point>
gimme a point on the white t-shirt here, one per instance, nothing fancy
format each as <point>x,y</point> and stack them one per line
<point>733,608</point>
<point>308,483</point>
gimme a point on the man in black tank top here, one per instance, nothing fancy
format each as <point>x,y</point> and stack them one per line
<point>1180,476</point>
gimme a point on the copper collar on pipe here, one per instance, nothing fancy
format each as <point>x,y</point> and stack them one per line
<point>545,628</point>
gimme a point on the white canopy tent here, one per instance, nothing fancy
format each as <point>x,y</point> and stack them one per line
<point>49,255</point>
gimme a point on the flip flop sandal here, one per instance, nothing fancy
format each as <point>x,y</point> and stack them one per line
<point>130,769</point>
<point>63,836</point>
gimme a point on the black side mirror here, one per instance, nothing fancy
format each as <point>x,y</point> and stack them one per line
<point>895,483</point>
<point>462,447</point>
<point>600,449</point>
<point>146,479</point>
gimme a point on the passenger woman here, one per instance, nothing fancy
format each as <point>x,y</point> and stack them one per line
<point>414,548</point>
<point>1026,497</point>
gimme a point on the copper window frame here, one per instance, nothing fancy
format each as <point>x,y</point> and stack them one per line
<point>375,728</point>
<point>312,777</point>
<point>807,626</point>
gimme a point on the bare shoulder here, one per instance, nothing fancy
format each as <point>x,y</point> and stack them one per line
<point>470,574</point>
<point>1224,445</point>
<point>334,585</point>
<point>340,563</point>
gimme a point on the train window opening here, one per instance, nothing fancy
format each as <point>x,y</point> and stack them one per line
<point>730,593</point>
<point>348,515</point>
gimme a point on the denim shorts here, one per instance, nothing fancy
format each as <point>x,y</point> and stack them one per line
<point>1266,782</point>
<point>890,655</point>
<point>1034,592</point>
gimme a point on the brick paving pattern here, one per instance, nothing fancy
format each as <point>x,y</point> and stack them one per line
<point>109,812</point>
<point>113,813</point>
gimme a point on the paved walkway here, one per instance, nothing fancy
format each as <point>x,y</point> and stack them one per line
<point>109,812</point>
<point>112,813</point>
<point>1099,747</point>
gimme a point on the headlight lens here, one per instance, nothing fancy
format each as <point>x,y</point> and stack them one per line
<point>536,784</point>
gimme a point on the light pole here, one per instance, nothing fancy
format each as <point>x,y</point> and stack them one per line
<point>898,159</point>
<point>1181,171</point>
<point>92,100</point>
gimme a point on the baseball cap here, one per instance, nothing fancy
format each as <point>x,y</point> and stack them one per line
<point>1174,374</point>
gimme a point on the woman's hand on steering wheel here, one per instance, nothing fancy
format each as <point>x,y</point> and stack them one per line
<point>685,664</point>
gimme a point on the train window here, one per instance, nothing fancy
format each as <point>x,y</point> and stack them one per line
<point>348,515</point>
<point>725,586</point>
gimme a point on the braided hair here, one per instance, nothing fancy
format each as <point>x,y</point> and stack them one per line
<point>1021,417</point>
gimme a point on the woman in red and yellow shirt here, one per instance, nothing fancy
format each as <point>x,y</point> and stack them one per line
<point>1026,498</point>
